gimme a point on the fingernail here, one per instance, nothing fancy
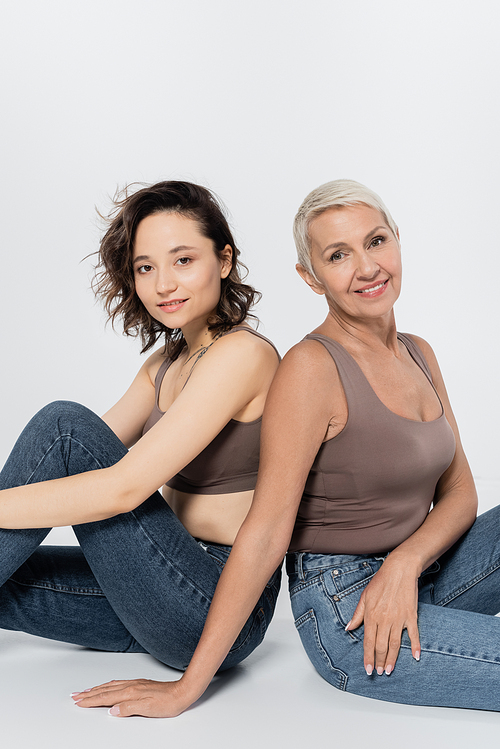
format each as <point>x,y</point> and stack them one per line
<point>417,655</point>
<point>77,702</point>
<point>115,710</point>
<point>369,669</point>
<point>73,694</point>
<point>388,670</point>
<point>380,670</point>
<point>348,625</point>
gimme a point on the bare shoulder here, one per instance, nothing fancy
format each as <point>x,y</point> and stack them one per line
<point>306,398</point>
<point>310,360</point>
<point>309,372</point>
<point>246,343</point>
<point>242,351</point>
<point>245,363</point>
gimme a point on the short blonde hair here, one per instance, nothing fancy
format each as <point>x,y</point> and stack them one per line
<point>340,192</point>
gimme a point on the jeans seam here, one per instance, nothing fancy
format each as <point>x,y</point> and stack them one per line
<point>494,661</point>
<point>169,561</point>
<point>58,588</point>
<point>352,589</point>
<point>303,585</point>
<point>51,447</point>
<point>464,588</point>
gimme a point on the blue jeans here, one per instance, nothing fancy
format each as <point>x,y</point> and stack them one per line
<point>459,634</point>
<point>137,582</point>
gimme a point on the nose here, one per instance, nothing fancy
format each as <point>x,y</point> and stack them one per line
<point>368,268</point>
<point>165,282</point>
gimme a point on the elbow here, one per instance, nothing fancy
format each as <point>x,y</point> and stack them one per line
<point>472,503</point>
<point>124,495</point>
<point>257,544</point>
<point>277,551</point>
<point>272,548</point>
<point>473,508</point>
<point>127,500</point>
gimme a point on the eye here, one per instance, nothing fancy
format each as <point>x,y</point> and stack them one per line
<point>377,241</point>
<point>183,261</point>
<point>338,255</point>
<point>142,269</point>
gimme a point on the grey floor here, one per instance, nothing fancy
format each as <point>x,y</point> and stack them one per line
<point>274,699</point>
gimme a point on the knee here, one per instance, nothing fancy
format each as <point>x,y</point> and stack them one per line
<point>63,411</point>
<point>61,418</point>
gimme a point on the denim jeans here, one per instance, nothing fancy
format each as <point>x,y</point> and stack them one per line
<point>459,634</point>
<point>137,582</point>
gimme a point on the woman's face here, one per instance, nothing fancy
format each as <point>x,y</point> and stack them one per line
<point>176,271</point>
<point>357,261</point>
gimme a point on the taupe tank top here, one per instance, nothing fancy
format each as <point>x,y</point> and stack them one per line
<point>372,485</point>
<point>231,461</point>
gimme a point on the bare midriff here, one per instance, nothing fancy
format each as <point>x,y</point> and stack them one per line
<point>210,517</point>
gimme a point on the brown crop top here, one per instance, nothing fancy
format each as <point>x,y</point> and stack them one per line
<point>230,462</point>
<point>372,485</point>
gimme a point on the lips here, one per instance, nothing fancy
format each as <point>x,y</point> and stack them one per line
<point>172,305</point>
<point>373,289</point>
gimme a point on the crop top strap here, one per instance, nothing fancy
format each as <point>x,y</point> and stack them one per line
<point>160,375</point>
<point>168,361</point>
<point>228,332</point>
<point>253,332</point>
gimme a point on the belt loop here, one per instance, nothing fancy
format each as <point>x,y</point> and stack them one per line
<point>300,569</point>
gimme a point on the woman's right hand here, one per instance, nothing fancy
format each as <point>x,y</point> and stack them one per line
<point>150,699</point>
<point>387,606</point>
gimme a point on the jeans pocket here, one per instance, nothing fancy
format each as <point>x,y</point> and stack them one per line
<point>307,627</point>
<point>249,638</point>
<point>340,583</point>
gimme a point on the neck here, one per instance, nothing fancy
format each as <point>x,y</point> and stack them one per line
<point>197,337</point>
<point>359,333</point>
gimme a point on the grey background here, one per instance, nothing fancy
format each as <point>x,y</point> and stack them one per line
<point>261,102</point>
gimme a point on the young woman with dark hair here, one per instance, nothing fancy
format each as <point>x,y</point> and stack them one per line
<point>148,563</point>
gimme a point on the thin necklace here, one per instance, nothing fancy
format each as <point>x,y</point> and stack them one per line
<point>200,352</point>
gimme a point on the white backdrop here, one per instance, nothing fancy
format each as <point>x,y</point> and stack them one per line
<point>262,102</point>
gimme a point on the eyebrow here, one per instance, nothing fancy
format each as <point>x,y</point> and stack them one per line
<point>338,245</point>
<point>180,248</point>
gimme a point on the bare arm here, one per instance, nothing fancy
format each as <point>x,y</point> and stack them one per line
<point>294,425</point>
<point>191,423</point>
<point>389,603</point>
<point>128,416</point>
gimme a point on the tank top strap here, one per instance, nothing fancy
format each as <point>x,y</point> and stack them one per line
<point>416,354</point>
<point>356,387</point>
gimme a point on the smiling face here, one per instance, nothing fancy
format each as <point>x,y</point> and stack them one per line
<point>176,270</point>
<point>357,261</point>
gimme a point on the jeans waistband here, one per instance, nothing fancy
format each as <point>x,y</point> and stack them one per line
<point>298,562</point>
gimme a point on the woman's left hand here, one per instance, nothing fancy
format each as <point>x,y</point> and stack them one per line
<point>387,606</point>
<point>151,699</point>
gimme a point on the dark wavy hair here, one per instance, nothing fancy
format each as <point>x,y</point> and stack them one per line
<point>114,278</point>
